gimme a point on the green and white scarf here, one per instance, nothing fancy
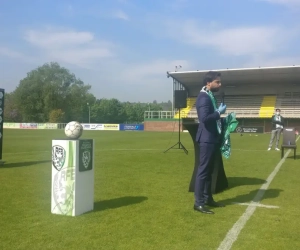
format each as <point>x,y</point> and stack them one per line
<point>230,123</point>
<point>214,102</point>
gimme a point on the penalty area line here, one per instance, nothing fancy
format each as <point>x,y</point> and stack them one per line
<point>234,232</point>
<point>100,150</point>
<point>256,204</point>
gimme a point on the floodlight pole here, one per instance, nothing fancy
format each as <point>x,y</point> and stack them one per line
<point>89,112</point>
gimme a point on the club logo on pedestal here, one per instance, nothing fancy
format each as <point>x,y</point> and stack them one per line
<point>58,157</point>
<point>85,155</point>
<point>86,158</point>
<point>63,191</point>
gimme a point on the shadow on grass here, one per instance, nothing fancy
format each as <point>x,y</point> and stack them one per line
<point>22,164</point>
<point>242,181</point>
<point>118,202</point>
<point>252,196</point>
<point>292,157</point>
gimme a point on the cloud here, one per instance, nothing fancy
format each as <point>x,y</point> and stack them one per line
<point>283,2</point>
<point>151,69</point>
<point>178,4</point>
<point>57,39</point>
<point>74,47</point>
<point>95,11</point>
<point>119,14</point>
<point>272,61</point>
<point>238,41</point>
<point>10,53</point>
<point>143,81</point>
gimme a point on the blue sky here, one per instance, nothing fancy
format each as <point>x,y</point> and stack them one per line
<point>124,48</point>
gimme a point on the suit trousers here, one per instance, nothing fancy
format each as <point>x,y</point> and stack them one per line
<point>203,180</point>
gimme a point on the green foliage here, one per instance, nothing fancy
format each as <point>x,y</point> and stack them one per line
<point>51,93</point>
<point>108,111</point>
<point>57,116</point>
<point>11,111</point>
<point>51,87</point>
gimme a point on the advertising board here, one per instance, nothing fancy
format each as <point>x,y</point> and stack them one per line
<point>28,125</point>
<point>47,126</point>
<point>111,126</point>
<point>249,129</point>
<point>11,125</point>
<point>92,126</point>
<point>132,127</point>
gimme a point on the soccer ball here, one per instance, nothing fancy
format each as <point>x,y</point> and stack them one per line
<point>73,130</point>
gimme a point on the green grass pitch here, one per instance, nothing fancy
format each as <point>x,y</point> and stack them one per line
<point>141,195</point>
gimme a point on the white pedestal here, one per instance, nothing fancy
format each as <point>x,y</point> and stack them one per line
<point>72,188</point>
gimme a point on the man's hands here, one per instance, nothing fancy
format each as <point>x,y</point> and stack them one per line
<point>222,108</point>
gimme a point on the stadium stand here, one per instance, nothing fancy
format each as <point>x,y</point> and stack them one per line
<point>267,106</point>
<point>243,106</point>
<point>289,103</point>
<point>259,106</point>
<point>252,94</point>
<point>190,103</point>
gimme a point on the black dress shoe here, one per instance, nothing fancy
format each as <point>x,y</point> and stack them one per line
<point>214,204</point>
<point>203,209</point>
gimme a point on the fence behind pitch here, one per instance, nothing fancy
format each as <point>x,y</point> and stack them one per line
<point>86,126</point>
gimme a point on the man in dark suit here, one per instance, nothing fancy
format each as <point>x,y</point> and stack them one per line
<point>209,140</point>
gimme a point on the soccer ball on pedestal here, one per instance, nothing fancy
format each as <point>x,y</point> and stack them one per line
<point>73,130</point>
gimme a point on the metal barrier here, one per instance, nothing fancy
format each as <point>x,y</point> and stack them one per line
<point>240,113</point>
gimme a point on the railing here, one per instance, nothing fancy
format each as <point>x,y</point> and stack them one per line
<point>247,113</point>
<point>159,115</point>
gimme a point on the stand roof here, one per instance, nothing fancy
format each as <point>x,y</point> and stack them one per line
<point>241,76</point>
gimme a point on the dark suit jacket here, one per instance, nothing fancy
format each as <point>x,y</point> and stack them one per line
<point>207,129</point>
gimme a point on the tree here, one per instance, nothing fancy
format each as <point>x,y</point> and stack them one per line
<point>51,93</point>
<point>11,112</point>
<point>108,111</point>
<point>131,112</point>
<point>52,87</point>
<point>135,111</point>
<point>57,116</point>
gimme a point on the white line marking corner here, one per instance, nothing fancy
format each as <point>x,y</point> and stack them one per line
<point>233,233</point>
<point>255,204</point>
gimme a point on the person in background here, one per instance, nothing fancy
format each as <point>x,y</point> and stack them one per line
<point>277,126</point>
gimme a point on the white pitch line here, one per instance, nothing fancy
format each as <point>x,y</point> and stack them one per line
<point>255,204</point>
<point>121,149</point>
<point>131,149</point>
<point>233,233</point>
<point>124,149</point>
<point>110,149</point>
<point>237,149</point>
<point>24,152</point>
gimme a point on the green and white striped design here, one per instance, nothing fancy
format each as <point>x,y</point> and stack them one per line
<point>63,181</point>
<point>72,190</point>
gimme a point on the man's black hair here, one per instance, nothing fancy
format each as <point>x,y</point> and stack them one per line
<point>278,110</point>
<point>210,76</point>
